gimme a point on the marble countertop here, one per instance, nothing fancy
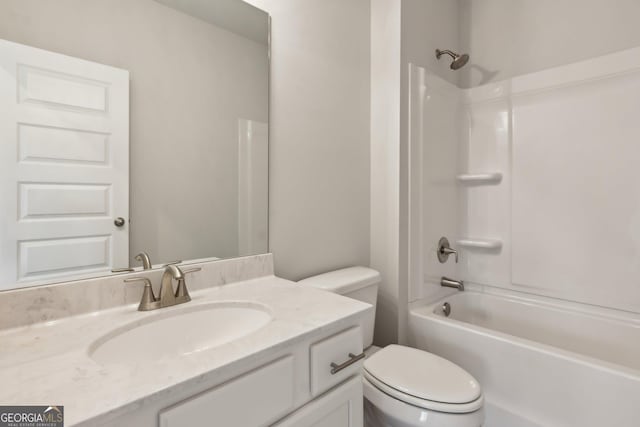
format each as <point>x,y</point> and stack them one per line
<point>48,363</point>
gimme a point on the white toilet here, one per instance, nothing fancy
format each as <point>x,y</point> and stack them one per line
<point>403,386</point>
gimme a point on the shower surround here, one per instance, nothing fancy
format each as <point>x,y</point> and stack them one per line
<point>531,179</point>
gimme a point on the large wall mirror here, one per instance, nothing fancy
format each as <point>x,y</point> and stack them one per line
<point>130,126</point>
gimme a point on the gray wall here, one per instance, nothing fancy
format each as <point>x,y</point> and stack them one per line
<point>507,38</point>
<point>319,146</point>
<point>190,82</point>
<point>428,25</point>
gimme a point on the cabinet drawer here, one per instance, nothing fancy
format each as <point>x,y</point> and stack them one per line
<point>252,400</point>
<point>344,351</point>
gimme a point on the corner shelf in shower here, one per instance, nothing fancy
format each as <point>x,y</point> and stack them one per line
<point>480,178</point>
<point>486,244</point>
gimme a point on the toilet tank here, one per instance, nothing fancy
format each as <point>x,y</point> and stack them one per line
<point>360,283</point>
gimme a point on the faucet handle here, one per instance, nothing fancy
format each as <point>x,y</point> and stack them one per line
<point>148,298</point>
<point>181,290</point>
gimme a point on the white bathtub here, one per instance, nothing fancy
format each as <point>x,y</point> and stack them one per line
<point>540,362</point>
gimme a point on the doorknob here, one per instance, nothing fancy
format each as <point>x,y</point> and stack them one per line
<point>119,222</point>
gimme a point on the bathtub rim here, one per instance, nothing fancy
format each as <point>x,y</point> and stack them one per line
<point>424,309</point>
<point>594,310</point>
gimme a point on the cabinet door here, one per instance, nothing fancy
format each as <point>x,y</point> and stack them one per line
<point>255,399</point>
<point>339,407</point>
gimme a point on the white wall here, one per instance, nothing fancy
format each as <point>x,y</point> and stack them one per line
<point>561,181</point>
<point>385,163</point>
<point>434,125</point>
<point>402,32</point>
<point>319,136</point>
<point>184,123</point>
<point>506,38</point>
<point>575,182</point>
<point>426,25</point>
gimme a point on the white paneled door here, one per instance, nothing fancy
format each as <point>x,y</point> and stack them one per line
<point>64,165</point>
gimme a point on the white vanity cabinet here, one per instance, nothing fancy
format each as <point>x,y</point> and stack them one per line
<point>301,367</point>
<point>335,383</point>
<point>315,383</point>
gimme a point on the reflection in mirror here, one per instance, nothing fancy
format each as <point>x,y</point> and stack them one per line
<point>130,126</point>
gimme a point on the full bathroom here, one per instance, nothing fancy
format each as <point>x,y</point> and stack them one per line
<point>319,213</point>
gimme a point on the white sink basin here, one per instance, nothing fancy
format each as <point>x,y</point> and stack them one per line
<point>179,332</point>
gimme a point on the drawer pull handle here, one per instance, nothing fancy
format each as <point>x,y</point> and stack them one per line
<point>353,358</point>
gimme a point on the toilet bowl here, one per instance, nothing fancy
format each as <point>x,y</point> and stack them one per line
<point>403,386</point>
<point>406,387</point>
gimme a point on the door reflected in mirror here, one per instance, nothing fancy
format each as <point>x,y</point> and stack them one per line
<point>130,126</point>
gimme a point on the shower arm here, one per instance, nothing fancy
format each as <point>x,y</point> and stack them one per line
<point>439,53</point>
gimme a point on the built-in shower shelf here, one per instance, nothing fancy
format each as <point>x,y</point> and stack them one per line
<point>486,244</point>
<point>480,178</point>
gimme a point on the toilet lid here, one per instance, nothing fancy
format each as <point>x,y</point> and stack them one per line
<point>422,375</point>
<point>344,281</point>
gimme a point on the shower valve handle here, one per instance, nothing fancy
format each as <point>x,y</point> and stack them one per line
<point>444,250</point>
<point>449,251</point>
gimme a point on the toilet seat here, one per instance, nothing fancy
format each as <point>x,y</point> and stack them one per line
<point>423,380</point>
<point>449,408</point>
<point>382,410</point>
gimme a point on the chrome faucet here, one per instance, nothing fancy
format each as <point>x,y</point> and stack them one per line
<point>450,283</point>
<point>143,257</point>
<point>167,296</point>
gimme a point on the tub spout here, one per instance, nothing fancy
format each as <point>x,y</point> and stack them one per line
<point>450,283</point>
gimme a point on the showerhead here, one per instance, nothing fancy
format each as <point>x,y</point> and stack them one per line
<point>459,61</point>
